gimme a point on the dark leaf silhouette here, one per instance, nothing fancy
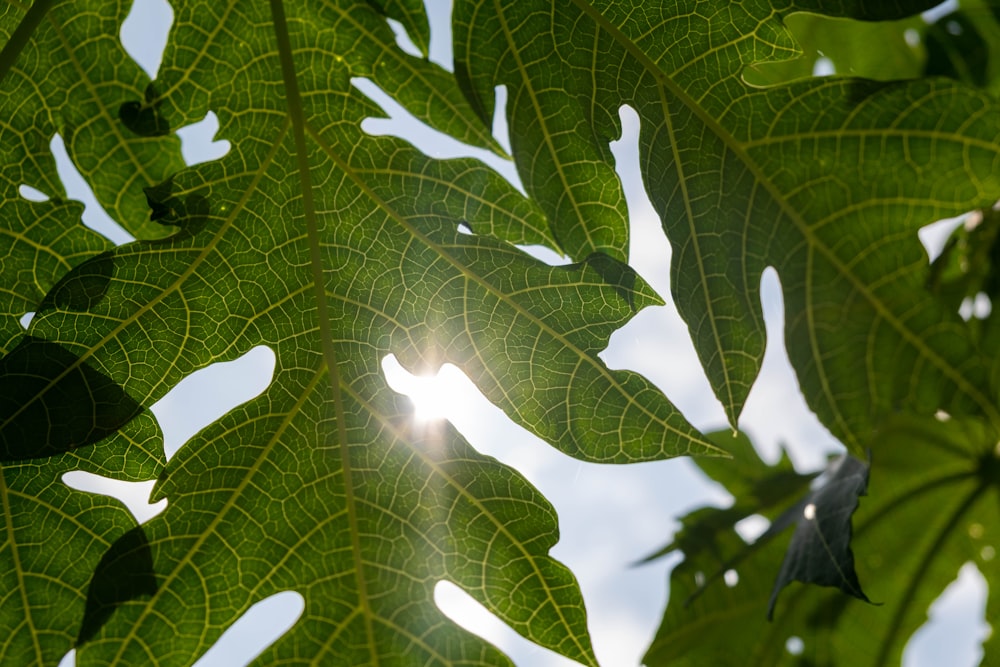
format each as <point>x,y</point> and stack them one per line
<point>83,287</point>
<point>935,498</point>
<point>124,573</point>
<point>820,550</point>
<point>144,118</point>
<point>956,49</point>
<point>48,558</point>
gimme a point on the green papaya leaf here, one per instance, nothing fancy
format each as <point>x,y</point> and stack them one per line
<point>871,50</point>
<point>826,180</point>
<point>59,44</point>
<point>333,248</point>
<point>757,488</point>
<point>54,538</point>
<point>934,506</point>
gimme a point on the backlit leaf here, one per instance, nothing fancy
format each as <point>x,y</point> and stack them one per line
<point>826,180</point>
<point>334,249</point>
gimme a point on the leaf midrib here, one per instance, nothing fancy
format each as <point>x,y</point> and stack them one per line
<point>297,114</point>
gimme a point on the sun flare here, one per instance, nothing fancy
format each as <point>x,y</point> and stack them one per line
<point>434,397</point>
<point>430,399</point>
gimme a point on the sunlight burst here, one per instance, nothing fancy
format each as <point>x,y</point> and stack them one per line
<point>430,398</point>
<point>434,397</point>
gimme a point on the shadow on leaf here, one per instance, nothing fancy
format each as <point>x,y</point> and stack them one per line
<point>51,402</point>
<point>189,212</point>
<point>144,118</point>
<point>618,275</point>
<point>83,287</point>
<point>124,573</point>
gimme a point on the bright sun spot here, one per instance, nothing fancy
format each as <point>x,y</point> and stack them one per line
<point>430,399</point>
<point>434,397</point>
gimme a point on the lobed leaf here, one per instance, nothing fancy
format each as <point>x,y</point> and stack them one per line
<point>333,248</point>
<point>54,537</point>
<point>826,180</point>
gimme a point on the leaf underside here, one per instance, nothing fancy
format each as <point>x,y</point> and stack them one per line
<point>335,248</point>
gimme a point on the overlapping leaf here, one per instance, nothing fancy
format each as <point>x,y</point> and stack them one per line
<point>960,44</point>
<point>933,507</point>
<point>826,180</point>
<point>333,248</point>
<point>54,537</point>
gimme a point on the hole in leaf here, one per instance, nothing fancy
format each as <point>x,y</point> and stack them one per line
<point>198,143</point>
<point>259,627</point>
<point>500,128</point>
<point>776,391</point>
<point>439,19</point>
<point>31,194</point>
<point>795,645</point>
<point>731,577</point>
<point>94,216</point>
<point>26,319</point>
<point>144,33</point>
<point>403,40</point>
<point>912,37</point>
<point>434,397</point>
<point>752,527</point>
<point>68,660</point>
<point>466,612</point>
<point>679,374</point>
<point>453,396</point>
<point>134,495</point>
<point>649,250</point>
<point>934,14</point>
<point>404,125</point>
<point>547,255</point>
<point>978,307</point>
<point>209,393</point>
<point>823,67</point>
<point>935,236</point>
<point>956,625</point>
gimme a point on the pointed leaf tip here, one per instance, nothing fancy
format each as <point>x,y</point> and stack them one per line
<point>820,550</point>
